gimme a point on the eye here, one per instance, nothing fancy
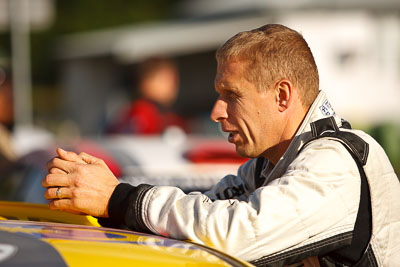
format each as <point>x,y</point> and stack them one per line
<point>231,95</point>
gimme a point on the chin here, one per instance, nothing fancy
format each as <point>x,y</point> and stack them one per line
<point>245,153</point>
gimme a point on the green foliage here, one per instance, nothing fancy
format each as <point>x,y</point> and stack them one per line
<point>73,16</point>
<point>78,15</point>
<point>388,136</point>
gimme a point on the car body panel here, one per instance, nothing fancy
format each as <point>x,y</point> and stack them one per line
<point>79,241</point>
<point>39,212</point>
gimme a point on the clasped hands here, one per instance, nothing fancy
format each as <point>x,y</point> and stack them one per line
<point>80,184</point>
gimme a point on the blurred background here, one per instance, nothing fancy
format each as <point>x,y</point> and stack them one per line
<point>72,72</point>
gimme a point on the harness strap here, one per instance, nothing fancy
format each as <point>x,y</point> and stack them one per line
<point>349,253</point>
<point>358,149</point>
<point>327,128</point>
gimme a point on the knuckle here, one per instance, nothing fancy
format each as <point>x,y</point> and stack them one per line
<point>46,194</point>
<point>46,180</point>
<point>75,193</point>
<point>49,164</point>
<point>80,168</point>
<point>78,181</point>
<point>56,203</point>
<point>55,170</point>
<point>75,203</point>
<point>53,163</point>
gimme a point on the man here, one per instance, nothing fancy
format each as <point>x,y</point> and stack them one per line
<point>310,194</point>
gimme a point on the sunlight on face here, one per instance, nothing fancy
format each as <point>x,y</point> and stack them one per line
<point>248,115</point>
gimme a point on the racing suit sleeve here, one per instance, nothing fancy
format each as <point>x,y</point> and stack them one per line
<point>319,192</point>
<point>230,187</point>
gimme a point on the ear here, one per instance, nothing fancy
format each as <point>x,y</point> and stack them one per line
<point>283,94</point>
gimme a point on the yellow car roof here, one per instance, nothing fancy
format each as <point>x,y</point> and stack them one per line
<point>33,235</point>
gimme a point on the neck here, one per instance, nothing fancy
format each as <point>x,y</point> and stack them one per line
<point>291,125</point>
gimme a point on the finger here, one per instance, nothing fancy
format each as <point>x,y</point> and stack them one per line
<point>61,204</point>
<point>90,159</point>
<point>51,193</point>
<point>57,170</point>
<point>49,164</point>
<point>64,205</point>
<point>66,166</point>
<point>69,156</point>
<point>55,179</point>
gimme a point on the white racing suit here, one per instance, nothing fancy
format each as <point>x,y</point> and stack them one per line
<point>306,209</point>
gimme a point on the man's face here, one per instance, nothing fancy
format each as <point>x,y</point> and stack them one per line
<point>250,116</point>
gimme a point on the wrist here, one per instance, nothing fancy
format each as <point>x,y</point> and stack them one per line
<point>118,203</point>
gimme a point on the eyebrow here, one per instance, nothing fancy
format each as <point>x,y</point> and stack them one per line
<point>232,89</point>
<point>225,87</point>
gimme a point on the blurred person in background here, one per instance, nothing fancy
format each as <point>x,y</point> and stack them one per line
<point>314,193</point>
<point>7,152</point>
<point>151,113</point>
<point>8,156</point>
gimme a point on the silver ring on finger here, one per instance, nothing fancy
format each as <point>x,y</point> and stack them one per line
<point>58,192</point>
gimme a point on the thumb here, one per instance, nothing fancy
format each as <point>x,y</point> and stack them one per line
<point>69,156</point>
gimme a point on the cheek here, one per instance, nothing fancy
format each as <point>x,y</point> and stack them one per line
<point>260,124</point>
<point>234,112</point>
<point>246,117</point>
<point>250,125</point>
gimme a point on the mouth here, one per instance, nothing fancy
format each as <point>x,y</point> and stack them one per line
<point>232,136</point>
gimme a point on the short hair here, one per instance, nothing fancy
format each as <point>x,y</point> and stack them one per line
<point>273,52</point>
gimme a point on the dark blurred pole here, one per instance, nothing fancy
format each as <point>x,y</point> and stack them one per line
<point>21,64</point>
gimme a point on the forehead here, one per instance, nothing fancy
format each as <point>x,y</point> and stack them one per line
<point>228,71</point>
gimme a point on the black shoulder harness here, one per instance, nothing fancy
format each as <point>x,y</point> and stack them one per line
<point>355,251</point>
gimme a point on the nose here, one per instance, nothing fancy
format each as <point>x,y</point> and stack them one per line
<point>219,111</point>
